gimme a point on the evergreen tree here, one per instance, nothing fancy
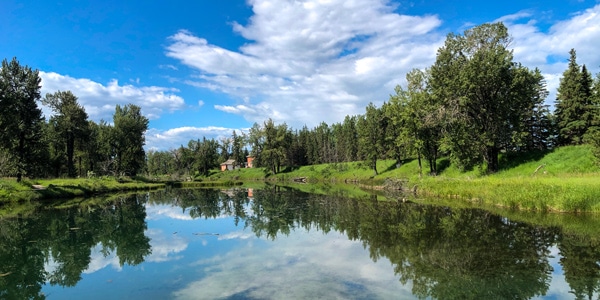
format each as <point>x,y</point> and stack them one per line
<point>371,135</point>
<point>237,147</point>
<point>21,120</point>
<point>575,111</point>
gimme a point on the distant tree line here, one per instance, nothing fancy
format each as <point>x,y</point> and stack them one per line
<point>68,144</point>
<point>472,104</point>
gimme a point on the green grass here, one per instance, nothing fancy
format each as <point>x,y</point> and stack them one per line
<point>11,191</point>
<point>567,179</point>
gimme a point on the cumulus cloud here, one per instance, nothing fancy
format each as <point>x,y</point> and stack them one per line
<point>165,139</point>
<point>549,50</point>
<point>99,100</point>
<point>311,61</point>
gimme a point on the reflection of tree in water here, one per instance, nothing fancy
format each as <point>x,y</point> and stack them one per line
<point>581,264</point>
<point>445,253</point>
<point>66,237</point>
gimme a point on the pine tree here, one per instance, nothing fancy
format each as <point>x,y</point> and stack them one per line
<point>574,110</point>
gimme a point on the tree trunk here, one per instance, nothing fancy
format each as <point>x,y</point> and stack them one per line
<point>420,166</point>
<point>70,151</point>
<point>492,159</point>
<point>375,167</point>
<point>20,163</point>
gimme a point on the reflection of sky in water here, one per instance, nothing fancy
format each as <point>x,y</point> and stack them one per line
<point>559,288</point>
<point>212,258</point>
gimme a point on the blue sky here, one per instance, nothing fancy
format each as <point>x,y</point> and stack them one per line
<point>205,68</point>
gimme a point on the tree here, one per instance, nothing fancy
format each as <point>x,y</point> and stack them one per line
<point>20,118</point>
<point>277,140</point>
<point>347,143</point>
<point>575,110</point>
<point>70,121</point>
<point>537,132</point>
<point>205,155</point>
<point>417,120</point>
<point>256,139</point>
<point>128,139</point>
<point>370,135</point>
<point>237,147</point>
<point>99,149</point>
<point>473,78</point>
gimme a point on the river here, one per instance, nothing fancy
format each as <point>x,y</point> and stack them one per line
<point>281,243</point>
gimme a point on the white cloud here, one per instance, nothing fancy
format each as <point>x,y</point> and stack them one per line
<point>168,67</point>
<point>311,61</point>
<point>100,100</point>
<point>549,51</point>
<point>166,139</point>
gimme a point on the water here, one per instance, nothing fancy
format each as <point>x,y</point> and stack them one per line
<point>284,244</point>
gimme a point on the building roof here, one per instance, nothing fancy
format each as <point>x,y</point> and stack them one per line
<point>229,162</point>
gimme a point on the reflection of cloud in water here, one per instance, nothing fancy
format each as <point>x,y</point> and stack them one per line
<point>164,246</point>
<point>304,265</point>
<point>237,235</point>
<point>559,288</point>
<point>50,265</point>
<point>99,261</point>
<point>160,211</point>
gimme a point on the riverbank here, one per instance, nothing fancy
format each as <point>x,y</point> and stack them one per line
<point>40,189</point>
<point>566,179</point>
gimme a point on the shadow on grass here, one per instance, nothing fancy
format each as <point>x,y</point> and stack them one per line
<point>394,166</point>
<point>442,164</point>
<point>513,159</point>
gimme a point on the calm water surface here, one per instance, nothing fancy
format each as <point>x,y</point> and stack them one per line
<point>284,244</point>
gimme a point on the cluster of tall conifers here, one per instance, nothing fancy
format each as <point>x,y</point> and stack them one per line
<point>68,144</point>
<point>472,104</point>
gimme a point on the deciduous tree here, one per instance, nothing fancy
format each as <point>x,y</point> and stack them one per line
<point>20,118</point>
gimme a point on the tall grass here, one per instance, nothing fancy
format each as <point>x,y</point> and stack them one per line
<point>27,190</point>
<point>566,179</point>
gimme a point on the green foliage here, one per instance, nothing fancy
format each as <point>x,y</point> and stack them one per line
<point>128,139</point>
<point>484,95</point>
<point>71,128</point>
<point>20,118</point>
<point>371,135</point>
<point>576,109</point>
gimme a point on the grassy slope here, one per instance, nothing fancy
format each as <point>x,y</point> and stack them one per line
<point>568,181</point>
<point>11,191</point>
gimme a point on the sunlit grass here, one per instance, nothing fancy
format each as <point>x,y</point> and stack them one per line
<point>27,190</point>
<point>565,179</point>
